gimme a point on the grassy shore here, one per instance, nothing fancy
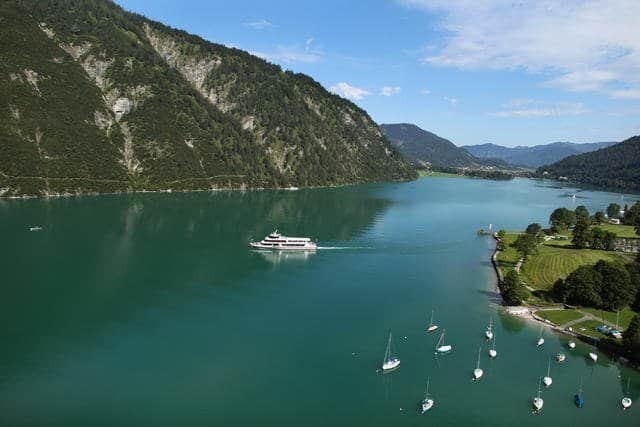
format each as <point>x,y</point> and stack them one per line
<point>439,174</point>
<point>559,317</point>
<point>626,314</point>
<point>626,231</point>
<point>555,260</point>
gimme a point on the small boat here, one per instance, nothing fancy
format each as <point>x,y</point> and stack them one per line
<point>477,373</point>
<point>427,402</point>
<point>594,354</point>
<point>572,345</point>
<point>547,381</point>
<point>277,242</point>
<point>492,351</point>
<point>578,398</point>
<point>390,361</point>
<point>540,339</point>
<point>489,332</point>
<point>560,357</point>
<point>37,228</point>
<point>626,400</point>
<point>441,347</point>
<point>537,401</point>
<point>432,327</point>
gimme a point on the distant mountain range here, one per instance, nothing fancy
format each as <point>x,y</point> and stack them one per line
<point>535,156</point>
<point>423,147</point>
<point>616,166</point>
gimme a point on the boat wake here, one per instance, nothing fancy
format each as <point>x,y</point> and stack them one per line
<point>334,248</point>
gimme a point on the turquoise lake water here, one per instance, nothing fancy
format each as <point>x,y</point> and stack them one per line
<point>150,310</point>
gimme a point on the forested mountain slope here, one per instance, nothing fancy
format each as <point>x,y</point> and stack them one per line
<point>96,99</point>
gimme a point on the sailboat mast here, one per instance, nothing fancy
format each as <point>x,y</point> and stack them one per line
<point>549,368</point>
<point>478,365</point>
<point>431,322</point>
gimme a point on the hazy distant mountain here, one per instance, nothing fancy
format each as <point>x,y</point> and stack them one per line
<point>419,145</point>
<point>615,166</point>
<point>535,156</point>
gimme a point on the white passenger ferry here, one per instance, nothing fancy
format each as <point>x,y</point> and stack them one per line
<point>277,242</point>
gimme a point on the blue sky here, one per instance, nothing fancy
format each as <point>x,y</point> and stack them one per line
<point>501,71</point>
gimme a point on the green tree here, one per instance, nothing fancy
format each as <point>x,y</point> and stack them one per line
<point>525,244</point>
<point>632,215</point>
<point>534,229</point>
<point>582,213</point>
<point>581,287</point>
<point>613,210</point>
<point>581,234</point>
<point>513,292</point>
<point>599,218</point>
<point>562,218</point>
<point>615,289</point>
<point>631,337</point>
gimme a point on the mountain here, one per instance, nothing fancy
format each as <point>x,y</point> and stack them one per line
<point>421,146</point>
<point>535,156</point>
<point>97,99</point>
<point>616,166</point>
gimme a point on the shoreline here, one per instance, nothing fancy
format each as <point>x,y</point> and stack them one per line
<point>528,313</point>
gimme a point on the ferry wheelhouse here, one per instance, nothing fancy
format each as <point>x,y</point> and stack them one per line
<point>277,242</point>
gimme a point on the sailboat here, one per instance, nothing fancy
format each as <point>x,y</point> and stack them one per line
<point>389,361</point>
<point>432,327</point>
<point>578,398</point>
<point>626,400</point>
<point>441,347</point>
<point>537,401</point>
<point>594,354</point>
<point>427,402</point>
<point>540,339</point>
<point>572,345</point>
<point>492,351</point>
<point>548,380</point>
<point>477,373</point>
<point>560,357</point>
<point>489,332</point>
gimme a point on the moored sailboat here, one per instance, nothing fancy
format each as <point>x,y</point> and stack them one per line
<point>538,402</point>
<point>540,339</point>
<point>626,400</point>
<point>390,361</point>
<point>441,347</point>
<point>560,357</point>
<point>427,402</point>
<point>477,373</point>
<point>548,380</point>
<point>578,398</point>
<point>489,332</point>
<point>594,353</point>
<point>492,351</point>
<point>432,327</point>
<point>572,345</point>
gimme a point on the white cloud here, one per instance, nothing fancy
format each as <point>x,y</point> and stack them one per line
<point>452,101</point>
<point>390,90</point>
<point>626,94</point>
<point>261,24</point>
<point>290,54</point>
<point>348,91</point>
<point>528,108</point>
<point>584,45</point>
<point>424,92</point>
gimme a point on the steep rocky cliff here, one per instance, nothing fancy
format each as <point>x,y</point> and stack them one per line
<point>96,99</point>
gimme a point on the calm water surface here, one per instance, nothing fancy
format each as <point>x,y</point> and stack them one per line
<point>150,310</point>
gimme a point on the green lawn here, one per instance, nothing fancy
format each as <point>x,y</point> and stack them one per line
<point>556,260</point>
<point>589,328</point>
<point>620,230</point>
<point>626,315</point>
<point>559,317</point>
<point>508,258</point>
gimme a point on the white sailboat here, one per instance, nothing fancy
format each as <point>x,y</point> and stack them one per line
<point>548,380</point>
<point>560,357</point>
<point>489,332</point>
<point>594,354</point>
<point>572,345</point>
<point>427,402</point>
<point>441,347</point>
<point>477,373</point>
<point>390,361</point>
<point>538,402</point>
<point>492,351</point>
<point>432,327</point>
<point>626,400</point>
<point>540,339</point>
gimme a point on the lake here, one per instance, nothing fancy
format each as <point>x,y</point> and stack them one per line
<point>150,310</point>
